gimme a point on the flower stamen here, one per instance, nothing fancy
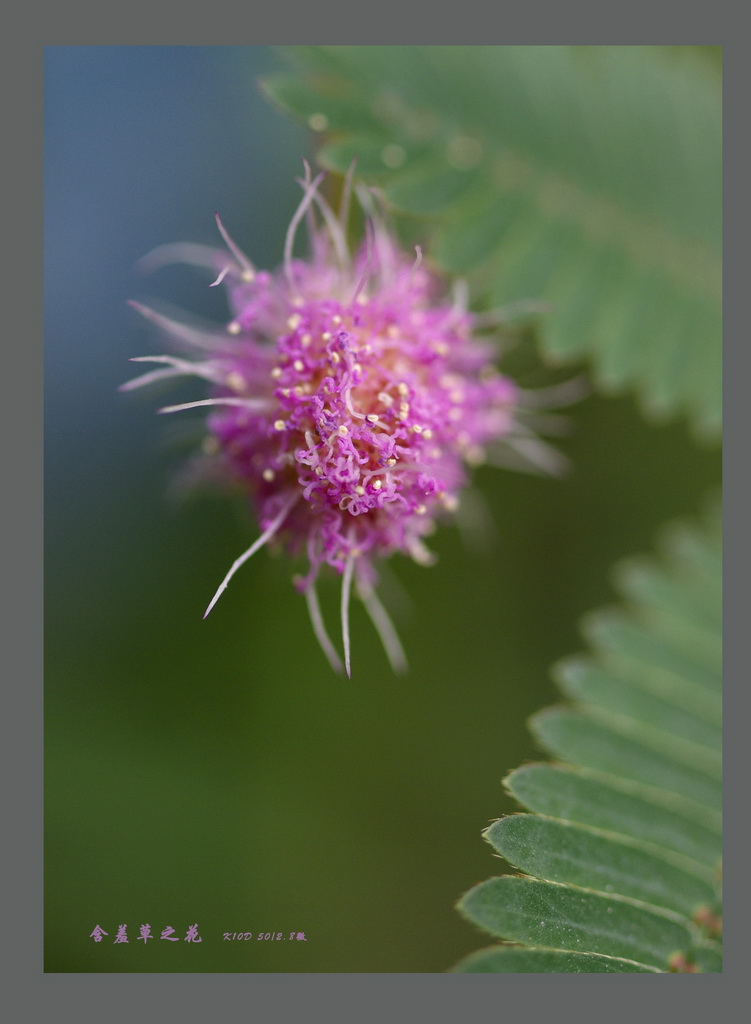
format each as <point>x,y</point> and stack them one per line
<point>349,568</point>
<point>248,271</point>
<point>319,628</point>
<point>265,537</point>
<point>384,627</point>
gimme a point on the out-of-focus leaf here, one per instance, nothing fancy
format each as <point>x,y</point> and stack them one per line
<point>589,177</point>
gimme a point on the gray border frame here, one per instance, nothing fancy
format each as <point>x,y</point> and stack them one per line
<point>279,997</point>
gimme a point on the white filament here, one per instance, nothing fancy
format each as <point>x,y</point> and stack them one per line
<point>307,199</point>
<point>177,367</point>
<point>179,252</point>
<point>346,196</point>
<point>257,404</point>
<point>236,251</point>
<point>267,534</point>
<point>221,277</point>
<point>346,590</point>
<point>197,338</point>
<point>384,627</point>
<point>368,258</point>
<point>316,618</point>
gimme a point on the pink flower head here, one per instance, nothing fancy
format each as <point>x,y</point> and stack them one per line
<point>348,397</point>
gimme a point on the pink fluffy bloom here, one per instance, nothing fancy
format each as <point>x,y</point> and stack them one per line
<point>348,397</point>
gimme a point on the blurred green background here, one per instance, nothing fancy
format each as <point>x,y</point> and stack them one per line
<point>217,772</point>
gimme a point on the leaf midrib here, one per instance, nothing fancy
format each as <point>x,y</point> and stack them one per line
<point>692,867</point>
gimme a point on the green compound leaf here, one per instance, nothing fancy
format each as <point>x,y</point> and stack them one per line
<point>621,855</point>
<point>585,177</point>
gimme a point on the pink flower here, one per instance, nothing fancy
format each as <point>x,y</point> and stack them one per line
<point>349,396</point>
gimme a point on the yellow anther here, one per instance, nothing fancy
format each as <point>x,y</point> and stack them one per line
<point>235,380</point>
<point>306,340</point>
<point>336,319</point>
<point>377,485</point>
<point>402,388</point>
<point>326,335</point>
<point>294,321</point>
<point>299,365</point>
<point>387,400</point>
<point>427,433</point>
<point>342,431</point>
<point>268,474</point>
<point>359,489</point>
<point>372,417</point>
<point>280,425</point>
<point>248,275</point>
<point>390,462</point>
<point>276,372</point>
<point>234,328</point>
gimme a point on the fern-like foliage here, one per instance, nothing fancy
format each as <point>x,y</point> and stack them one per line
<point>621,853</point>
<point>586,177</point>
